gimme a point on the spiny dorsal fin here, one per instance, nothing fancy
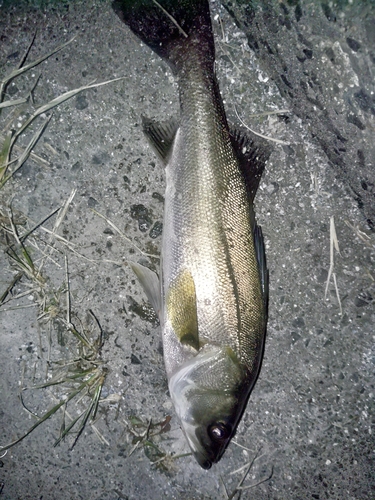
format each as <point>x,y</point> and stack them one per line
<point>161,136</point>
<point>182,309</point>
<point>252,153</point>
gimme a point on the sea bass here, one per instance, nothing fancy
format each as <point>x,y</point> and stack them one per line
<point>212,294</point>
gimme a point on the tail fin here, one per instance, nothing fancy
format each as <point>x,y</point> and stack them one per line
<point>169,27</point>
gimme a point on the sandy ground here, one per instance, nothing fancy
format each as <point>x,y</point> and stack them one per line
<point>309,421</point>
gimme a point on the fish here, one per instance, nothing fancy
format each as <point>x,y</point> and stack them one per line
<point>211,294</point>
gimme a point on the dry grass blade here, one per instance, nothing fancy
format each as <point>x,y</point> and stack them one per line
<point>333,245</point>
<point>59,100</point>
<point>240,488</point>
<point>26,152</point>
<point>278,141</point>
<point>33,156</point>
<point>68,303</point>
<point>113,226</point>
<point>264,480</point>
<point>64,210</point>
<point>69,244</point>
<point>268,113</point>
<point>61,215</point>
<point>12,138</point>
<point>365,238</point>
<point>13,102</point>
<point>169,458</point>
<point>23,69</point>
<point>171,18</point>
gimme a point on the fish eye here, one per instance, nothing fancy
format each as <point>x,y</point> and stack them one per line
<point>219,431</point>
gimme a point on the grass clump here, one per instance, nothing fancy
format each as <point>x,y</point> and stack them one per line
<point>80,376</point>
<point>147,435</point>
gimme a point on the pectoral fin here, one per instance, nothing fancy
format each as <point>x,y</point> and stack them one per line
<point>182,309</point>
<point>150,284</point>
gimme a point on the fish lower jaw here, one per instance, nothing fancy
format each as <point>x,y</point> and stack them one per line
<point>194,446</point>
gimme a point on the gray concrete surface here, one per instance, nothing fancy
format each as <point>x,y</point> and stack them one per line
<point>311,414</point>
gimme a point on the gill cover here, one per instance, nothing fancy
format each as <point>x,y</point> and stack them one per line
<point>208,395</point>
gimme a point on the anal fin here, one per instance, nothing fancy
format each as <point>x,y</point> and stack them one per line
<point>160,136</point>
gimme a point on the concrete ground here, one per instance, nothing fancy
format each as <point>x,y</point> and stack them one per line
<point>310,419</point>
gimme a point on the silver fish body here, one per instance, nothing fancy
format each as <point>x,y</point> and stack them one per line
<point>213,287</point>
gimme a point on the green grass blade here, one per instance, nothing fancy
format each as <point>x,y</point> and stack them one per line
<point>90,411</point>
<point>97,394</point>
<point>30,231</point>
<point>46,416</point>
<point>5,154</point>
<point>14,256</point>
<point>27,257</point>
<point>9,288</point>
<point>86,417</point>
<point>64,377</point>
<point>79,336</point>
<point>67,430</point>
<point>40,421</point>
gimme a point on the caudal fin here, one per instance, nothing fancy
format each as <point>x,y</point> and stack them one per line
<point>169,27</point>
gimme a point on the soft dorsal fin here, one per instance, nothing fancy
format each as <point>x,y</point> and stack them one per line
<point>182,309</point>
<point>252,153</point>
<point>150,284</point>
<point>161,136</point>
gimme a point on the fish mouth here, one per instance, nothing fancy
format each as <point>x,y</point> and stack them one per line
<point>205,453</point>
<point>201,455</point>
<point>202,460</point>
<point>206,459</point>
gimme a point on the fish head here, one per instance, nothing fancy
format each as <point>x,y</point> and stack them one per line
<point>209,396</point>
